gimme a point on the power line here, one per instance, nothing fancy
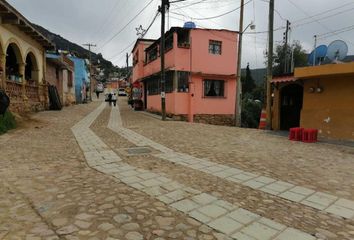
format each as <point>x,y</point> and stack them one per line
<point>122,51</point>
<point>125,26</point>
<point>325,17</point>
<point>341,30</point>
<point>324,12</point>
<point>208,7</point>
<point>142,36</point>
<point>264,32</point>
<point>324,26</point>
<point>221,15</point>
<point>101,26</point>
<point>191,4</point>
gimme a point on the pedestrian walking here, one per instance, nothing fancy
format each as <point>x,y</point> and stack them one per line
<point>110,99</point>
<point>97,94</point>
<point>114,99</point>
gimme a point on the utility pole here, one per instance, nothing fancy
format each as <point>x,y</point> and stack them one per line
<point>89,45</point>
<point>314,51</point>
<point>165,5</point>
<point>238,100</point>
<point>270,65</point>
<point>286,40</point>
<point>127,62</point>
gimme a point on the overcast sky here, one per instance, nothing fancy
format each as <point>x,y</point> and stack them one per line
<point>93,21</point>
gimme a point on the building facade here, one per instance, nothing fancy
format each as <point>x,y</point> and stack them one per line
<point>200,67</point>
<point>81,79</point>
<point>60,73</point>
<point>320,97</point>
<point>22,61</point>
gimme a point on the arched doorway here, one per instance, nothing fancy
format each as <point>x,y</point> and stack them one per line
<point>291,105</point>
<point>31,69</point>
<point>13,60</point>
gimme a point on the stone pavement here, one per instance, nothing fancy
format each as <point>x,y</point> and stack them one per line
<point>332,204</point>
<point>47,190</point>
<point>306,218</point>
<point>229,219</point>
<point>50,193</point>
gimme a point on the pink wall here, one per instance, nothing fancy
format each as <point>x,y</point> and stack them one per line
<point>180,103</point>
<point>213,105</point>
<point>138,69</point>
<point>216,67</point>
<point>155,66</point>
<point>154,102</point>
<point>203,61</point>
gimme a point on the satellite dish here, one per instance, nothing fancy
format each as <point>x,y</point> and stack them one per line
<point>319,54</point>
<point>337,50</point>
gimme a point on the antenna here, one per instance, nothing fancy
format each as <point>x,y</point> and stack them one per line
<point>337,50</point>
<point>318,55</point>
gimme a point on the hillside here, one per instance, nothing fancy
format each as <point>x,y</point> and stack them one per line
<point>79,51</point>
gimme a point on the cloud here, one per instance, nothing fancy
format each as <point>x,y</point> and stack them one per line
<point>83,21</point>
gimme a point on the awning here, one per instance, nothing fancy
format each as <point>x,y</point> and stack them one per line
<point>284,79</point>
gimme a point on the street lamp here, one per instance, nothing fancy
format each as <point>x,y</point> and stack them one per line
<point>238,99</point>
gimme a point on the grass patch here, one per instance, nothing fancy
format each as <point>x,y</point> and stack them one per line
<point>7,122</point>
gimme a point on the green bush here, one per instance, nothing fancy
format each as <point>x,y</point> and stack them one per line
<point>7,122</point>
<point>251,112</point>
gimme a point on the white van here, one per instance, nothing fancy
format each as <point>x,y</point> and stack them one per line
<point>121,92</point>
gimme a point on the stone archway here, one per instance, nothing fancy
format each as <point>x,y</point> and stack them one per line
<point>14,63</point>
<point>31,69</point>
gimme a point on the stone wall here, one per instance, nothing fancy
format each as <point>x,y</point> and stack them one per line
<point>22,101</point>
<point>214,119</point>
<point>226,120</point>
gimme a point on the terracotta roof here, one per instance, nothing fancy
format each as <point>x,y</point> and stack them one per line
<point>282,79</point>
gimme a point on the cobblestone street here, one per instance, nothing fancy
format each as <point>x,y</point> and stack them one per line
<point>95,172</point>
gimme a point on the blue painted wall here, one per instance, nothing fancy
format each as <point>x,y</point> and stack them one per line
<point>81,78</point>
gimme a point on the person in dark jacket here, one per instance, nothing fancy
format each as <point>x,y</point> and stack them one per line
<point>110,99</point>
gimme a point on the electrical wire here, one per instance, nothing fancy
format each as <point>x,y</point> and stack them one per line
<point>100,28</point>
<point>126,25</point>
<point>143,35</point>
<point>341,30</point>
<point>324,26</point>
<point>191,4</point>
<point>322,18</point>
<point>324,12</point>
<point>217,16</point>
<point>227,4</point>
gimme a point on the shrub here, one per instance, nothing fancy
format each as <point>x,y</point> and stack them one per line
<point>7,122</point>
<point>251,111</point>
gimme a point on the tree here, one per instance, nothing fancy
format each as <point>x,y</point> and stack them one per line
<point>251,97</point>
<point>248,83</point>
<point>251,111</point>
<point>280,59</point>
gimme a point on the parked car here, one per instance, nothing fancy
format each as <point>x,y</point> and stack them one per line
<point>121,92</point>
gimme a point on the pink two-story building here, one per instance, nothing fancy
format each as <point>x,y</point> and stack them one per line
<point>200,74</point>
